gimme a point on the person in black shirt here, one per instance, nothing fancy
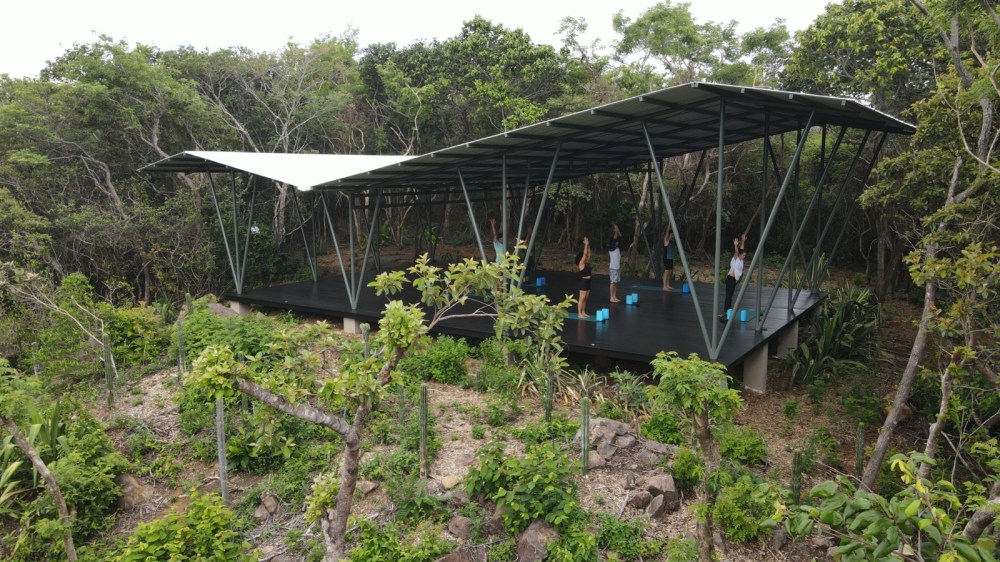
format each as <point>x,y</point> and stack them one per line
<point>583,264</point>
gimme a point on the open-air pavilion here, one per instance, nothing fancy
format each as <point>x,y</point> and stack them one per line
<point>520,168</point>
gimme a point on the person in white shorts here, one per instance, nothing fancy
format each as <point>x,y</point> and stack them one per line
<point>615,261</point>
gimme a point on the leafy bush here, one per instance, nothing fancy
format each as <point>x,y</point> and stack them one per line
<point>842,334</point>
<point>688,468</point>
<point>246,334</point>
<point>388,544</point>
<point>561,428</point>
<point>743,445</point>
<point>443,361</point>
<point>203,531</point>
<point>85,464</point>
<point>680,549</point>
<point>538,486</point>
<point>502,409</point>
<point>626,538</point>
<point>493,378</point>
<point>665,426</point>
<point>138,334</point>
<point>491,352</point>
<point>742,507</point>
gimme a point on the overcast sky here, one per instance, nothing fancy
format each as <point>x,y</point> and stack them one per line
<point>36,31</point>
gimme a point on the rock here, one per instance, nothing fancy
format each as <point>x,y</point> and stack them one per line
<point>431,488</point>
<point>601,436</point>
<point>630,481</point>
<point>134,493</point>
<point>658,448</point>
<point>640,499</point>
<point>620,428</point>
<point>366,487</point>
<point>457,498</point>
<point>460,555</point>
<point>260,513</point>
<point>595,460</point>
<point>648,457</point>
<point>624,441</point>
<point>655,509</point>
<point>450,481</point>
<point>461,527</point>
<point>534,542</point>
<point>607,450</point>
<point>779,537</point>
<point>661,484</point>
<point>270,503</point>
<point>493,526</point>
<point>822,542</point>
<point>465,459</point>
<point>221,310</point>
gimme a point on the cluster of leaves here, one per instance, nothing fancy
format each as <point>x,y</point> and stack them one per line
<point>390,544</point>
<point>258,437</point>
<point>687,467</point>
<point>75,447</point>
<point>744,445</point>
<point>844,335</point>
<point>201,531</point>
<point>442,361</point>
<point>665,426</point>
<point>537,486</point>
<point>742,507</point>
<point>923,520</point>
<point>560,428</point>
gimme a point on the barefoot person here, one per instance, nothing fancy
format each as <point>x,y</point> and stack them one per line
<point>583,264</point>
<point>735,273</point>
<point>497,244</point>
<point>668,257</point>
<point>615,261</point>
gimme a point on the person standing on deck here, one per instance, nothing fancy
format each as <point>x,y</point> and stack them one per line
<point>615,261</point>
<point>583,265</point>
<point>735,273</point>
<point>668,257</point>
<point>497,244</point>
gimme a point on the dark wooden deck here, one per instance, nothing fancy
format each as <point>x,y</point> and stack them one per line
<point>661,321</point>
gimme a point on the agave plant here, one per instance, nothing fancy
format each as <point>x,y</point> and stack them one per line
<point>8,483</point>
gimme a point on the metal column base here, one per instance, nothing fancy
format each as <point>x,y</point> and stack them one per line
<point>788,339</point>
<point>755,371</point>
<point>352,325</point>
<point>240,308</point>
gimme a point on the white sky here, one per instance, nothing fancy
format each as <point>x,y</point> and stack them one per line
<point>36,31</point>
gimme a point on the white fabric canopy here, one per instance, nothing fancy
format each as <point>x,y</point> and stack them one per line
<point>300,170</point>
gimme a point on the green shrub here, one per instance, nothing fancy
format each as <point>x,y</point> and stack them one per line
<point>688,468</point>
<point>493,378</point>
<point>203,531</point>
<point>626,538</point>
<point>561,429</point>
<point>138,335</point>
<point>665,426</point>
<point>388,544</point>
<point>478,432</point>
<point>538,486</point>
<point>491,352</point>
<point>247,334</point>
<point>679,549</point>
<point>502,409</point>
<point>741,507</point>
<point>743,445</point>
<point>443,361</point>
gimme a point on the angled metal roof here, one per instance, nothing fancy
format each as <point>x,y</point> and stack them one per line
<point>607,138</point>
<point>300,170</point>
<point>610,138</point>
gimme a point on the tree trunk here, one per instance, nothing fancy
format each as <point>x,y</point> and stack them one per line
<point>983,516</point>
<point>50,481</point>
<point>335,524</point>
<point>916,352</point>
<point>938,426</point>
<point>710,451</point>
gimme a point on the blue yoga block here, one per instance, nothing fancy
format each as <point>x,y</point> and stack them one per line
<point>604,314</point>
<point>743,315</point>
<point>635,298</point>
<point>538,282</point>
<point>628,299</point>
<point>685,288</point>
<point>729,313</point>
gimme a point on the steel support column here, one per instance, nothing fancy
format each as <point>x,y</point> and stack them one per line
<point>677,239</point>
<point>541,204</point>
<point>503,198</point>
<point>302,229</point>
<point>758,256</point>
<point>225,237</point>
<point>472,215</point>
<point>340,257</point>
<point>758,318</point>
<point>713,349</point>
<point>359,282</point>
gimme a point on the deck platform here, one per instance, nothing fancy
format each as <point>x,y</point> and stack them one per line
<point>662,321</point>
